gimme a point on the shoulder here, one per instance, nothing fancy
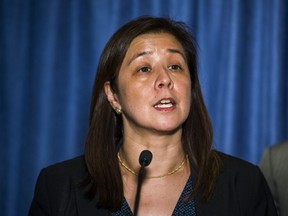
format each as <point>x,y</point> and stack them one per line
<point>66,172</point>
<point>239,176</point>
<point>72,166</point>
<point>236,166</point>
<point>278,150</point>
<point>274,157</point>
<point>240,189</point>
<point>54,191</point>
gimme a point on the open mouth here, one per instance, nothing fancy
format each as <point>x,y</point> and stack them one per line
<point>165,103</point>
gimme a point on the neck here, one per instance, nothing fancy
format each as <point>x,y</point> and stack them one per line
<point>135,173</point>
<point>168,154</point>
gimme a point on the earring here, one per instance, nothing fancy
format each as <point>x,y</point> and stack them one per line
<point>118,110</point>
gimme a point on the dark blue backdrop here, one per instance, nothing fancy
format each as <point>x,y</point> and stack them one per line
<point>48,55</point>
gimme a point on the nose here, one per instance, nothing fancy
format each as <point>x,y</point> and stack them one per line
<point>164,79</point>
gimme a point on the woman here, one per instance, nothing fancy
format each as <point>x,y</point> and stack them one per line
<point>147,96</point>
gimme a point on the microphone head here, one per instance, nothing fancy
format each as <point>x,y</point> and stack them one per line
<point>145,158</point>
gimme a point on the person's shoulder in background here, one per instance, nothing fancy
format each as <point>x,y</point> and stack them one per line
<point>279,150</point>
<point>274,163</point>
<point>274,166</point>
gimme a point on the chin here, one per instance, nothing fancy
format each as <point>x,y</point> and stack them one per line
<point>168,130</point>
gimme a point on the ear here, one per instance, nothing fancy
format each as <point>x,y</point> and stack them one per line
<point>111,96</point>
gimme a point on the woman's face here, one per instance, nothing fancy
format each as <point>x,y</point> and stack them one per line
<point>154,85</point>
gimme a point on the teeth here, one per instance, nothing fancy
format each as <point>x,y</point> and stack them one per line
<point>167,105</point>
<point>165,101</point>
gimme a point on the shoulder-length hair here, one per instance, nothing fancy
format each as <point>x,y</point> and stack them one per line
<point>105,131</point>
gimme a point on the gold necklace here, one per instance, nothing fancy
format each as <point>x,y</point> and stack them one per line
<point>150,177</point>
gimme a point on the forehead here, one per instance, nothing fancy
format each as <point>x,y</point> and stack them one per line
<point>154,39</point>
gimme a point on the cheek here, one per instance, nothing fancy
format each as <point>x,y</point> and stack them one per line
<point>186,97</point>
<point>130,97</point>
<point>187,102</point>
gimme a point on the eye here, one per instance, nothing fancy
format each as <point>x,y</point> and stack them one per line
<point>174,67</point>
<point>144,69</point>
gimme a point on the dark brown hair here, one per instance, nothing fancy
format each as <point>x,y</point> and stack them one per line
<point>105,132</point>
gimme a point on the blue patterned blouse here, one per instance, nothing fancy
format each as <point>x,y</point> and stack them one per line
<point>182,207</point>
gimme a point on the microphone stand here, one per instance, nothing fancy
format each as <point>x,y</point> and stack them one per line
<point>144,160</point>
<point>141,176</point>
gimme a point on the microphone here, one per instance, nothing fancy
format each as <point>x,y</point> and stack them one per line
<point>145,159</point>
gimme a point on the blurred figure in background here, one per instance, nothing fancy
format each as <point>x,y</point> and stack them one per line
<point>275,168</point>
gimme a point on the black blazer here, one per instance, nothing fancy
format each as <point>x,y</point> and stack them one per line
<point>241,190</point>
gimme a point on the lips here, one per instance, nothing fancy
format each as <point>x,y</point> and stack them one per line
<point>165,103</point>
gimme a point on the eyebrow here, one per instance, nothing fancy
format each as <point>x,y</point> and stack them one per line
<point>177,51</point>
<point>137,55</point>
